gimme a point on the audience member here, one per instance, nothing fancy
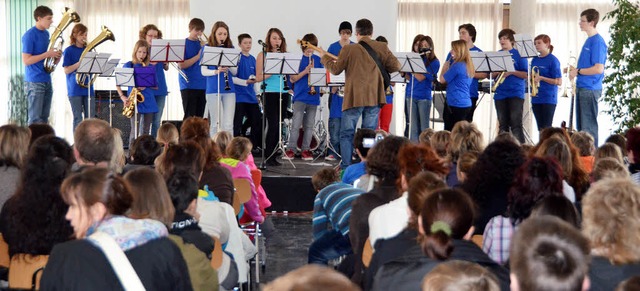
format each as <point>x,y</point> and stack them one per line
<point>584,141</point>
<point>40,129</point>
<point>460,275</point>
<point>425,136</point>
<point>465,164</point>
<point>633,153</point>
<point>631,284</point>
<point>94,143</point>
<point>143,153</point>
<point>611,223</point>
<point>14,146</point>
<point>311,277</point>
<point>606,168</point>
<point>557,149</point>
<point>168,134</point>
<point>549,254</point>
<point>465,137</point>
<point>118,159</point>
<point>619,140</point>
<point>558,206</point>
<point>609,150</point>
<point>362,142</point>
<point>440,142</point>
<point>222,140</point>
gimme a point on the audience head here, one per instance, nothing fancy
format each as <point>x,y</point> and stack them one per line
<point>150,196</point>
<point>93,142</point>
<point>118,159</point>
<point>465,163</point>
<point>414,159</point>
<point>584,141</point>
<point>40,129</point>
<point>619,140</point>
<point>222,140</point>
<point>556,148</point>
<point>549,254</point>
<point>324,178</point>
<point>358,140</point>
<point>168,134</point>
<point>183,188</point>
<point>606,168</point>
<point>446,215</point>
<point>609,150</point>
<point>196,129</point>
<point>239,148</point>
<point>312,277</point>
<point>14,145</point>
<point>383,160</point>
<point>92,195</point>
<point>633,145</point>
<point>440,142</point>
<point>460,275</point>
<point>145,150</point>
<point>420,187</point>
<point>425,136</point>
<point>631,284</point>
<point>611,220</point>
<point>185,156</point>
<point>558,206</point>
<point>536,179</point>
<point>505,135</point>
<point>465,137</point>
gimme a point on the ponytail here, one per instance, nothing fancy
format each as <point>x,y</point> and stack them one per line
<point>550,48</point>
<point>438,244</point>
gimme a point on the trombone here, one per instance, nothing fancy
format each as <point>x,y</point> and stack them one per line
<point>570,88</point>
<point>499,82</point>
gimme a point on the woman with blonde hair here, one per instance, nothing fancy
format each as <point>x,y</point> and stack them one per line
<point>457,76</point>
<point>460,275</point>
<point>465,137</point>
<point>609,150</point>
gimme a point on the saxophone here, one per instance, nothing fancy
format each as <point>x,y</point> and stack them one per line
<point>85,80</point>
<point>57,41</point>
<point>134,98</point>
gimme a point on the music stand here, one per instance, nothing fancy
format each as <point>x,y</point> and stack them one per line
<point>281,64</point>
<point>92,63</point>
<point>318,78</point>
<point>219,57</point>
<point>527,49</point>
<point>109,69</point>
<point>167,51</point>
<point>492,62</point>
<point>411,63</point>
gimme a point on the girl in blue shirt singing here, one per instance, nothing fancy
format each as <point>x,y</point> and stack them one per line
<point>458,78</point>
<point>550,77</point>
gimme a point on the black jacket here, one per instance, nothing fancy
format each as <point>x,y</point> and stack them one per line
<point>407,271</point>
<point>388,250</point>
<point>79,265</point>
<point>605,276</point>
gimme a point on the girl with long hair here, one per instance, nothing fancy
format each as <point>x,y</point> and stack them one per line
<point>457,76</point>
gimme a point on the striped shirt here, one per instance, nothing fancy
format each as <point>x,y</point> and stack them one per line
<point>332,207</point>
<point>497,238</point>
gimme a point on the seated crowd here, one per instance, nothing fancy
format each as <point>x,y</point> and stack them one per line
<point>447,213</point>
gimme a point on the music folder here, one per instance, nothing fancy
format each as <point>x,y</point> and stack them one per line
<point>167,50</point>
<point>335,80</point>
<point>145,76</point>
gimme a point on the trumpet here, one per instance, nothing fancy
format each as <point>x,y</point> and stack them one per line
<point>570,88</point>
<point>312,89</point>
<point>535,72</point>
<point>134,98</point>
<point>499,81</point>
<point>57,41</point>
<point>86,80</point>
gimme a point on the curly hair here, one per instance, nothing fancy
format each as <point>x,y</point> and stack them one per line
<point>536,179</point>
<point>611,219</point>
<point>33,219</point>
<point>382,162</point>
<point>465,137</point>
<point>197,129</point>
<point>414,159</point>
<point>608,168</point>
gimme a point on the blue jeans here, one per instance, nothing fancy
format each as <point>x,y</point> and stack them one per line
<point>157,117</point>
<point>587,111</point>
<point>39,99</point>
<point>79,107</point>
<point>419,120</point>
<point>544,114</point>
<point>348,128</point>
<point>330,246</point>
<point>334,135</point>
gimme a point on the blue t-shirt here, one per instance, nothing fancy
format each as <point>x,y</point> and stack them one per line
<point>335,110</point>
<point>549,67</point>
<point>162,81</point>
<point>196,80</point>
<point>301,87</point>
<point>422,89</point>
<point>513,87</point>
<point>390,96</point>
<point>458,85</point>
<point>36,42</point>
<point>71,56</point>
<point>594,51</point>
<point>473,88</point>
<point>149,105</point>
<point>246,68</point>
<point>216,83</point>
<point>354,172</point>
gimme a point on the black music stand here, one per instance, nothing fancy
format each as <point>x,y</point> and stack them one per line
<point>281,64</point>
<point>527,49</point>
<point>108,73</point>
<point>411,63</point>
<point>92,63</point>
<point>219,57</point>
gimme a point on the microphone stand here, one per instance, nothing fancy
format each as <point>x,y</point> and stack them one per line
<point>263,88</point>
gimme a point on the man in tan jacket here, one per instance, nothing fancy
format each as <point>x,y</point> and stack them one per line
<point>364,90</point>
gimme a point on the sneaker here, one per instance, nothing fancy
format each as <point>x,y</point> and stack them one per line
<point>307,155</point>
<point>289,155</point>
<point>330,158</point>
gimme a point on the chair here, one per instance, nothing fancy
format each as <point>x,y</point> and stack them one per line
<point>242,195</point>
<point>477,239</point>
<point>25,271</point>
<point>4,253</point>
<point>216,255</point>
<point>367,253</point>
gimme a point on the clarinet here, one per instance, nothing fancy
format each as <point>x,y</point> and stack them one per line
<point>226,78</point>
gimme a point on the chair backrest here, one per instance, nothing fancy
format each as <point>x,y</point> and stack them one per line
<point>25,271</point>
<point>367,253</point>
<point>4,253</point>
<point>477,239</point>
<point>216,255</point>
<point>256,176</point>
<point>243,190</point>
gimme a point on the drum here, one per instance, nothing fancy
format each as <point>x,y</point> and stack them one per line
<point>315,142</point>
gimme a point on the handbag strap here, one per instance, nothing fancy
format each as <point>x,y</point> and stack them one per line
<point>118,260</point>
<point>385,75</point>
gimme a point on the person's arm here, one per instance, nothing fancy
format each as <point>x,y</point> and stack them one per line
<point>336,66</point>
<point>205,71</point>
<point>445,69</point>
<point>303,72</point>
<point>259,66</point>
<point>190,61</point>
<point>29,59</point>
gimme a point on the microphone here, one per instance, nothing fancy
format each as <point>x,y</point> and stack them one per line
<point>424,50</point>
<point>260,42</point>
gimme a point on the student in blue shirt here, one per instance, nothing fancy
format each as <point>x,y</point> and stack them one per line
<point>417,108</point>
<point>193,91</point>
<point>335,103</point>
<point>78,97</point>
<point>509,97</point>
<point>457,76</point>
<point>305,104</point>
<point>246,100</point>
<point>544,103</point>
<point>590,73</point>
<point>146,109</point>
<point>221,100</point>
<point>35,43</point>
<point>150,32</point>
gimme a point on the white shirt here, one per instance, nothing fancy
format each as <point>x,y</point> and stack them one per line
<point>388,220</point>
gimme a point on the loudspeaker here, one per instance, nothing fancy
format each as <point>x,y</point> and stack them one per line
<point>104,98</point>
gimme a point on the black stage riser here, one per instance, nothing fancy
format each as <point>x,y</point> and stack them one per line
<point>293,194</point>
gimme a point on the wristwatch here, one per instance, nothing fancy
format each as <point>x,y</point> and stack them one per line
<point>579,71</point>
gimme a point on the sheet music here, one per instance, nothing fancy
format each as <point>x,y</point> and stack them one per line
<point>397,78</point>
<point>282,63</point>
<point>525,46</point>
<point>335,80</point>
<point>110,67</point>
<point>219,56</point>
<point>499,61</point>
<point>167,50</point>
<point>93,63</point>
<point>317,77</point>
<point>124,77</point>
<point>411,62</point>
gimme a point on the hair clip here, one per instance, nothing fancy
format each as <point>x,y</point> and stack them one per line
<point>441,226</point>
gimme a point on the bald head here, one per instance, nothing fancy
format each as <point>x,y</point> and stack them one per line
<point>93,141</point>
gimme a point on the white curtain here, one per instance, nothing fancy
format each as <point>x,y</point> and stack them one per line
<point>124,18</point>
<point>4,68</point>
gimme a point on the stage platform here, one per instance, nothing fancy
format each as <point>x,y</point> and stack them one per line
<point>289,188</point>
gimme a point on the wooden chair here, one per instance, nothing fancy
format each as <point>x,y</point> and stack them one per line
<point>367,253</point>
<point>242,195</point>
<point>4,253</point>
<point>256,176</point>
<point>216,255</point>
<point>25,271</point>
<point>477,239</point>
